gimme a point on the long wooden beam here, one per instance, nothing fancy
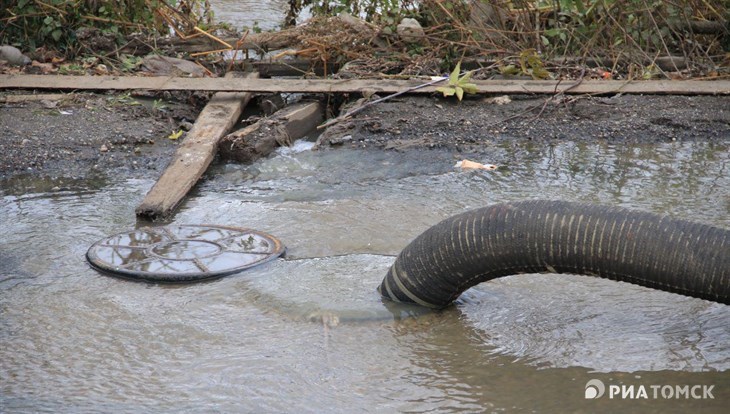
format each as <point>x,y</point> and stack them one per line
<point>195,154</point>
<point>62,82</point>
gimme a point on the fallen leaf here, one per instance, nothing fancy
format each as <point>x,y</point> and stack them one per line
<point>44,68</point>
<point>175,135</point>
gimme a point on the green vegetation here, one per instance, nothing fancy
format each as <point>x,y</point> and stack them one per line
<point>634,31</point>
<point>55,24</point>
<point>458,85</point>
<point>625,36</point>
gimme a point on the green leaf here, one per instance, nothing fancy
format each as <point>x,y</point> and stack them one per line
<point>454,78</point>
<point>447,91</point>
<point>466,77</point>
<point>48,20</point>
<point>22,3</point>
<point>469,87</point>
<point>509,70</point>
<point>459,93</point>
<point>56,34</point>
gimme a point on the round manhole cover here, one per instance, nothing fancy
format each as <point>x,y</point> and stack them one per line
<point>183,253</point>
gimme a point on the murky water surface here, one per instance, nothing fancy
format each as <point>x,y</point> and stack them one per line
<point>309,333</point>
<point>267,15</point>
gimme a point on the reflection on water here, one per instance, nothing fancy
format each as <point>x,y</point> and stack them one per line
<point>309,333</point>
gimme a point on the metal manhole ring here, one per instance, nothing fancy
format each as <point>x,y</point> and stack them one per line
<point>183,253</point>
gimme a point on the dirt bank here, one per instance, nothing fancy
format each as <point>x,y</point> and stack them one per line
<point>469,125</point>
<point>82,134</point>
<point>92,133</point>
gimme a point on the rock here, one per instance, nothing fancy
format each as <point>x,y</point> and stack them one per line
<point>270,103</point>
<point>169,66</point>
<point>104,148</point>
<point>48,104</point>
<point>101,69</point>
<point>13,56</point>
<point>410,31</point>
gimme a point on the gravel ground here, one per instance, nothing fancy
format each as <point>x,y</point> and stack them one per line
<point>467,126</point>
<point>93,134</point>
<point>88,133</point>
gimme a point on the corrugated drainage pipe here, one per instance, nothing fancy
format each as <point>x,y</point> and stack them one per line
<point>647,249</point>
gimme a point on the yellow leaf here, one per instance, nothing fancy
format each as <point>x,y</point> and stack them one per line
<point>175,135</point>
<point>459,92</point>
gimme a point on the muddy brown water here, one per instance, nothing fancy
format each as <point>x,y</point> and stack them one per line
<point>309,333</point>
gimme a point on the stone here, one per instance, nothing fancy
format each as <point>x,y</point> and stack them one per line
<point>13,56</point>
<point>169,66</point>
<point>410,31</point>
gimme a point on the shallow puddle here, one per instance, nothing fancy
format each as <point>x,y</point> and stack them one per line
<point>309,333</point>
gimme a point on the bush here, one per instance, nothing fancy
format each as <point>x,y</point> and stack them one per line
<point>28,24</point>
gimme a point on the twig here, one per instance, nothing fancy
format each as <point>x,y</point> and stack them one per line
<point>210,36</point>
<point>556,93</point>
<point>385,98</point>
<point>239,44</point>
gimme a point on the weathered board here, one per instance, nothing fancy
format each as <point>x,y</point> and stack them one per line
<point>195,153</point>
<point>8,99</point>
<point>280,129</point>
<point>60,82</point>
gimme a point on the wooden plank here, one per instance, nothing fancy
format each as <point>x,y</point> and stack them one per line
<point>255,41</point>
<point>294,67</point>
<point>59,82</point>
<point>282,128</point>
<point>195,153</point>
<point>35,98</point>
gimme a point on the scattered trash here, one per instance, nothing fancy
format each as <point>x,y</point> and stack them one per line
<point>471,165</point>
<point>499,100</point>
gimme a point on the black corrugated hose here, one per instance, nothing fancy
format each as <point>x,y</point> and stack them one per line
<point>540,236</point>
